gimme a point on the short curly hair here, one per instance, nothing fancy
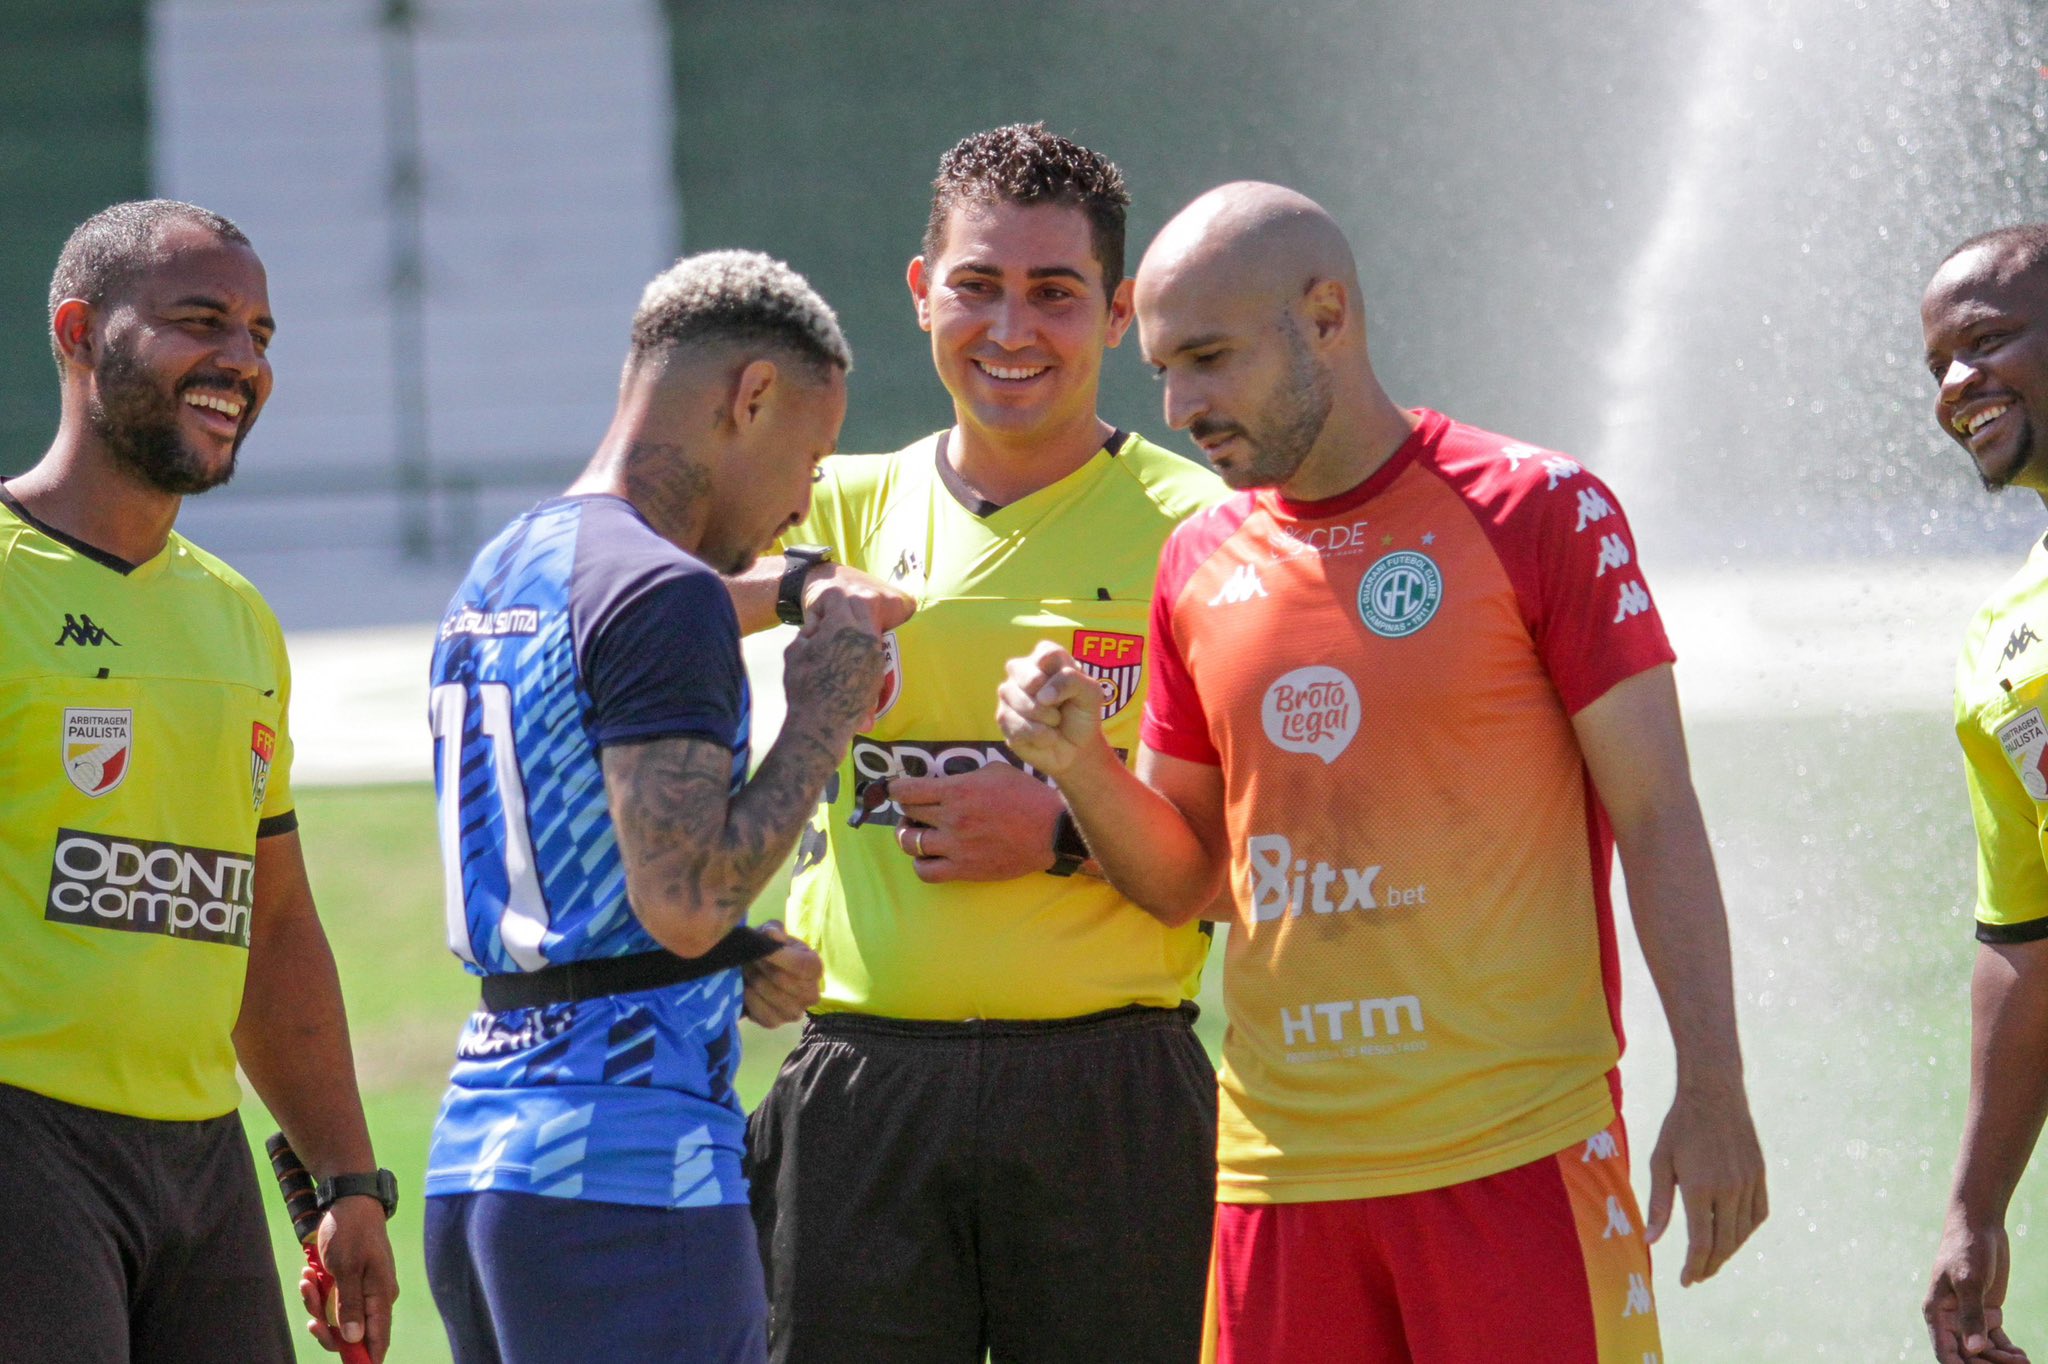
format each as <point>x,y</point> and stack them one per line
<point>2025,244</point>
<point>118,243</point>
<point>738,297</point>
<point>1022,163</point>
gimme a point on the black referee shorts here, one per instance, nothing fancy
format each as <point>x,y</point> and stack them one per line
<point>131,1241</point>
<point>1036,1192</point>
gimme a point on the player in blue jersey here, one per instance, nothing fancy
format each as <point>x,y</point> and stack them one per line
<point>602,842</point>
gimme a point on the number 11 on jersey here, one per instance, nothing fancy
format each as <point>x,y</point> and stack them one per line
<point>523,922</point>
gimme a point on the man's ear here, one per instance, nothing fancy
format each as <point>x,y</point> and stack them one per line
<point>72,327</point>
<point>1326,308</point>
<point>920,291</point>
<point>752,392</point>
<point>1122,308</point>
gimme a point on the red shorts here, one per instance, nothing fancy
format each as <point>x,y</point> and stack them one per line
<point>1543,1262</point>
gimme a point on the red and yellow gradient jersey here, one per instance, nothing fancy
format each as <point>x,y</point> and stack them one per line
<point>1421,978</point>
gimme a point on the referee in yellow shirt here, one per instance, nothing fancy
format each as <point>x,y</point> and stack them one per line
<point>998,1131</point>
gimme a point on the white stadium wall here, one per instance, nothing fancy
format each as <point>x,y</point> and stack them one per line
<point>545,201</point>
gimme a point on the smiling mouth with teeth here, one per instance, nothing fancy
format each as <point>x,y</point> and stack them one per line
<point>214,401</point>
<point>1003,372</point>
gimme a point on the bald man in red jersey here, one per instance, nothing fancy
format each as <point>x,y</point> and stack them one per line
<point>1410,693</point>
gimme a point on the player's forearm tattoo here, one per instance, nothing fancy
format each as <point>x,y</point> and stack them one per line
<point>688,843</point>
<point>835,677</point>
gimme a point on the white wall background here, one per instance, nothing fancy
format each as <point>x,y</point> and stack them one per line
<point>547,202</point>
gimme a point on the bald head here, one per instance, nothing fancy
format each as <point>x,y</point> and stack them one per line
<point>1251,238</point>
<point>1248,306</point>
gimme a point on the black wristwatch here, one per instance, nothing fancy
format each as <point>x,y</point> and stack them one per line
<point>798,562</point>
<point>381,1185</point>
<point>1069,850</point>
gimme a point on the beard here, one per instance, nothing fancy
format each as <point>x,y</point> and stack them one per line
<point>136,418</point>
<point>1286,427</point>
<point>2030,459</point>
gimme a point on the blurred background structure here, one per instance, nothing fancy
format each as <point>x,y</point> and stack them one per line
<point>1683,241</point>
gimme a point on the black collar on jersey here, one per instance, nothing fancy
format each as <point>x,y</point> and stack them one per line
<point>981,506</point>
<point>72,542</point>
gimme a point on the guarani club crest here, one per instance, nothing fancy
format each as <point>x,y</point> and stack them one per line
<point>1116,662</point>
<point>97,747</point>
<point>262,748</point>
<point>1400,594</point>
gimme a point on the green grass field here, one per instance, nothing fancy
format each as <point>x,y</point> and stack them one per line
<point>1844,845</point>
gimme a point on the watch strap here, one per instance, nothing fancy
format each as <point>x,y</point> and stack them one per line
<point>798,561</point>
<point>1069,850</point>
<point>381,1185</point>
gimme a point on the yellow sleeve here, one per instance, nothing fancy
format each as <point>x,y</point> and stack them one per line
<point>277,796</point>
<point>2012,874</point>
<point>845,505</point>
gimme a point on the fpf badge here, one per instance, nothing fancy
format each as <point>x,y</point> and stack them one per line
<point>2026,747</point>
<point>262,748</point>
<point>1116,662</point>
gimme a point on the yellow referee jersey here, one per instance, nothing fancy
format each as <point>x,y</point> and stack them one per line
<point>2001,693</point>
<point>1073,563</point>
<point>142,749</point>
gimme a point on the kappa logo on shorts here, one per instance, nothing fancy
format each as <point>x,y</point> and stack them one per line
<point>262,748</point>
<point>97,747</point>
<point>1400,594</point>
<point>2025,739</point>
<point>1116,662</point>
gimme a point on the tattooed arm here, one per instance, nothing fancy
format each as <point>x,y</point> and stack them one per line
<point>696,856</point>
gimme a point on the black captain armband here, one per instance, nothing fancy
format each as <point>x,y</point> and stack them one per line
<point>1069,850</point>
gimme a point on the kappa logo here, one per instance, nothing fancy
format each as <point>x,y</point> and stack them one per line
<point>2025,740</point>
<point>2017,645</point>
<point>262,748</point>
<point>1241,586</point>
<point>1312,710</point>
<point>907,566</point>
<point>1400,594</point>
<point>1115,661</point>
<point>98,745</point>
<point>80,629</point>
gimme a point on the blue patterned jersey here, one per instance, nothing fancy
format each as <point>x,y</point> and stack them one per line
<point>579,627</point>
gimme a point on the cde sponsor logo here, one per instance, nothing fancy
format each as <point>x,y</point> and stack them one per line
<point>1283,885</point>
<point>134,885</point>
<point>1312,710</point>
<point>1328,542</point>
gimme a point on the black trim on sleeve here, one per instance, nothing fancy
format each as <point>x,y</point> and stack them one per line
<point>2033,930</point>
<point>285,823</point>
